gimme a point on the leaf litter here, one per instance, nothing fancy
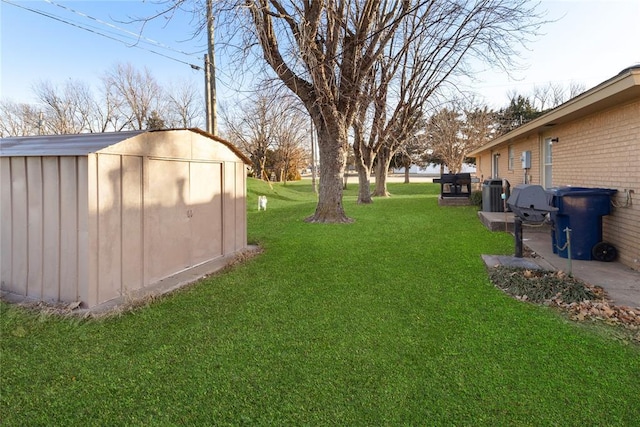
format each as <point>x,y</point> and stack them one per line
<point>580,300</point>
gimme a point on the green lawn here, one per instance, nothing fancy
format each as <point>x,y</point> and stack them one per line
<point>390,320</point>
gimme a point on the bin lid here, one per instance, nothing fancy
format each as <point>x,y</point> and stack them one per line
<point>493,181</point>
<point>583,191</point>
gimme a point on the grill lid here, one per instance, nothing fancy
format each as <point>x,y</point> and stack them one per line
<point>530,202</point>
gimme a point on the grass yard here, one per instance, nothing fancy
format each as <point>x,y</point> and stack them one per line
<point>390,320</point>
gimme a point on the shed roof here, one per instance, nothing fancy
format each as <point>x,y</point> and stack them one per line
<point>621,88</point>
<point>61,145</point>
<point>84,143</point>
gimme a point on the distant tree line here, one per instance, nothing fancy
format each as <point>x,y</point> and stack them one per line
<point>460,127</point>
<point>274,131</point>
<point>127,99</point>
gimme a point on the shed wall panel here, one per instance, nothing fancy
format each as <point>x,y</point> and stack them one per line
<point>51,232</point>
<point>19,214</point>
<point>35,229</point>
<point>109,227</point>
<point>6,225</point>
<point>84,256</point>
<point>89,292</point>
<point>240,225</point>
<point>132,224</point>
<point>229,207</point>
<point>69,228</point>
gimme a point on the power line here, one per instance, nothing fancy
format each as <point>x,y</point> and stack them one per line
<point>137,36</point>
<point>94,31</point>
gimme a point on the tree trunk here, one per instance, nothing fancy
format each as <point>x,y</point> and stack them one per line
<point>364,184</point>
<point>382,166</point>
<point>364,162</point>
<point>332,160</point>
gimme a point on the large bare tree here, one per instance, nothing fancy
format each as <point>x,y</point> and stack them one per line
<point>271,128</point>
<point>184,105</point>
<point>19,119</point>
<point>429,51</point>
<point>324,52</point>
<point>252,127</point>
<point>66,110</point>
<point>452,133</point>
<point>135,94</point>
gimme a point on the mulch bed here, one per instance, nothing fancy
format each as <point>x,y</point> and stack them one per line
<point>580,300</point>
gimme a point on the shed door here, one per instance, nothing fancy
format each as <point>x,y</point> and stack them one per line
<point>206,211</point>
<point>183,208</point>
<point>168,231</point>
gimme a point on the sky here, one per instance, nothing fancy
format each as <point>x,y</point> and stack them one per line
<point>58,40</point>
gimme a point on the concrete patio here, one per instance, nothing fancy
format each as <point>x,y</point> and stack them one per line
<point>621,283</point>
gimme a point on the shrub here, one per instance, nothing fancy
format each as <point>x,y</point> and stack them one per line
<point>476,198</point>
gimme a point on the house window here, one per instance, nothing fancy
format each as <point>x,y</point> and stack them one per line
<point>547,177</point>
<point>496,161</point>
<point>511,157</point>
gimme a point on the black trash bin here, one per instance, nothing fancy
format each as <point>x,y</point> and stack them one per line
<point>581,210</point>
<point>492,200</point>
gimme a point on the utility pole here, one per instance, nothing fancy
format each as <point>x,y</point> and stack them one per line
<point>210,70</point>
<point>208,103</point>
<point>40,122</point>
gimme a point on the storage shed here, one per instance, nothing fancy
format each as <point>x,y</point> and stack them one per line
<point>93,217</point>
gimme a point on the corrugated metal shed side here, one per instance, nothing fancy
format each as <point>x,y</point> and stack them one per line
<point>86,143</point>
<point>127,211</point>
<point>62,145</point>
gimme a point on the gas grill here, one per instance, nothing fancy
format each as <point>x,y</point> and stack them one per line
<point>530,203</point>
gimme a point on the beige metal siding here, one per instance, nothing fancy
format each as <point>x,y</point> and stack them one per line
<point>132,224</point>
<point>206,211</point>
<point>35,215</point>
<point>19,214</point>
<point>94,227</point>
<point>40,227</point>
<point>83,256</point>
<point>117,231</point>
<point>166,220</point>
<point>240,223</point>
<point>109,187</point>
<point>69,229</point>
<point>51,257</point>
<point>183,215</point>
<point>228,206</point>
<point>14,224</point>
<point>6,224</point>
<point>89,292</point>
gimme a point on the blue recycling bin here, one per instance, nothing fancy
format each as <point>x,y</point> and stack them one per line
<point>581,210</point>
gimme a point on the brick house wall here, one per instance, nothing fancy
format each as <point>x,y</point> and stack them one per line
<point>600,150</point>
<point>603,150</point>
